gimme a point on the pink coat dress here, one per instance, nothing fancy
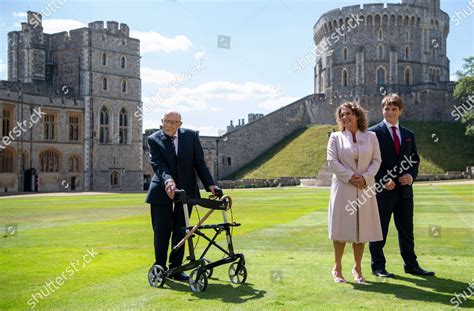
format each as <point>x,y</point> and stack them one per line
<point>353,213</point>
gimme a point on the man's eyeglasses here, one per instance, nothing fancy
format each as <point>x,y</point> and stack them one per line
<point>171,122</point>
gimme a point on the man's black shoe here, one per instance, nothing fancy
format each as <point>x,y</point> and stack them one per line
<point>419,271</point>
<point>180,277</point>
<point>383,273</point>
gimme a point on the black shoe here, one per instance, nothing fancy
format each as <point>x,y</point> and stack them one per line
<point>419,271</point>
<point>383,273</point>
<point>180,276</point>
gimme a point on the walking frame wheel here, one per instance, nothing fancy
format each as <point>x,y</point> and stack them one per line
<point>241,276</point>
<point>198,280</point>
<point>156,276</point>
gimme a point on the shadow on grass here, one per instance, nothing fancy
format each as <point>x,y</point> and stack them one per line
<point>444,290</point>
<point>231,293</point>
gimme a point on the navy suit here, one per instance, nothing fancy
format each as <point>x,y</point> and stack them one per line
<point>398,201</point>
<point>183,168</point>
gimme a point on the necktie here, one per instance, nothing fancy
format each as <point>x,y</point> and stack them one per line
<point>171,138</point>
<point>396,140</point>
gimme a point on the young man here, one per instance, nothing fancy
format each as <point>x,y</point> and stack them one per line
<point>176,157</point>
<point>397,172</point>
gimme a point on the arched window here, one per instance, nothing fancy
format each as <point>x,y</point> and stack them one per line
<point>344,54</point>
<point>103,59</point>
<point>344,77</point>
<point>104,84</point>
<point>123,62</point>
<point>7,120</point>
<point>380,35</point>
<point>123,126</point>
<point>7,161</point>
<point>407,76</point>
<point>381,76</point>
<point>73,164</point>
<point>380,52</point>
<point>115,178</point>
<point>104,126</point>
<point>124,86</point>
<point>407,36</point>
<point>49,161</point>
<point>407,53</point>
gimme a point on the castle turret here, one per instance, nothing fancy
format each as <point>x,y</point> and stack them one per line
<point>26,52</point>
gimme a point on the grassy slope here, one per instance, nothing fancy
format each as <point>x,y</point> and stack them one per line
<point>300,154</point>
<point>304,152</point>
<point>283,234</point>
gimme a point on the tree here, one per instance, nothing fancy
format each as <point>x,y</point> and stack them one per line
<point>464,92</point>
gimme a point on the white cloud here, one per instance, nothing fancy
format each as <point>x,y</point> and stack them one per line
<point>3,67</point>
<point>156,76</point>
<point>152,41</point>
<point>19,14</point>
<point>199,55</point>
<point>52,25</point>
<point>60,25</point>
<point>453,77</point>
<point>210,96</point>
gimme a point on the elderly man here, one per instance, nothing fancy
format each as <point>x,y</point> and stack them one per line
<point>176,156</point>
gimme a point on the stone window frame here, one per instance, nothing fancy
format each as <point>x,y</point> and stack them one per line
<point>7,119</point>
<point>74,164</point>
<point>344,77</point>
<point>78,126</point>
<point>50,125</point>
<point>407,52</point>
<point>105,83</point>
<point>103,59</point>
<point>380,34</point>
<point>124,126</point>
<point>410,76</point>
<point>377,75</point>
<point>344,53</point>
<point>124,86</point>
<point>104,125</point>
<point>115,179</point>
<point>8,160</point>
<point>50,161</point>
<point>123,62</point>
<point>407,36</point>
<point>380,51</point>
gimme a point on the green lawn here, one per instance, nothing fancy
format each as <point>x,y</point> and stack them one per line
<point>283,236</point>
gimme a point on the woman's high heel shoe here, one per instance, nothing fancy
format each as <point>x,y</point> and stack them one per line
<point>336,278</point>
<point>359,280</point>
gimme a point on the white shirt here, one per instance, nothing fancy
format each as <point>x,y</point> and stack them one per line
<point>389,126</point>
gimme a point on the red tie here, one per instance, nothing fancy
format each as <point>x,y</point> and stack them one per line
<point>396,140</point>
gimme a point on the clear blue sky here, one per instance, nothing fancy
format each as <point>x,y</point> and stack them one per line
<point>255,75</point>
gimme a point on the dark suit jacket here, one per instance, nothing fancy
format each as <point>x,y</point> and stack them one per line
<point>181,168</point>
<point>398,165</point>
